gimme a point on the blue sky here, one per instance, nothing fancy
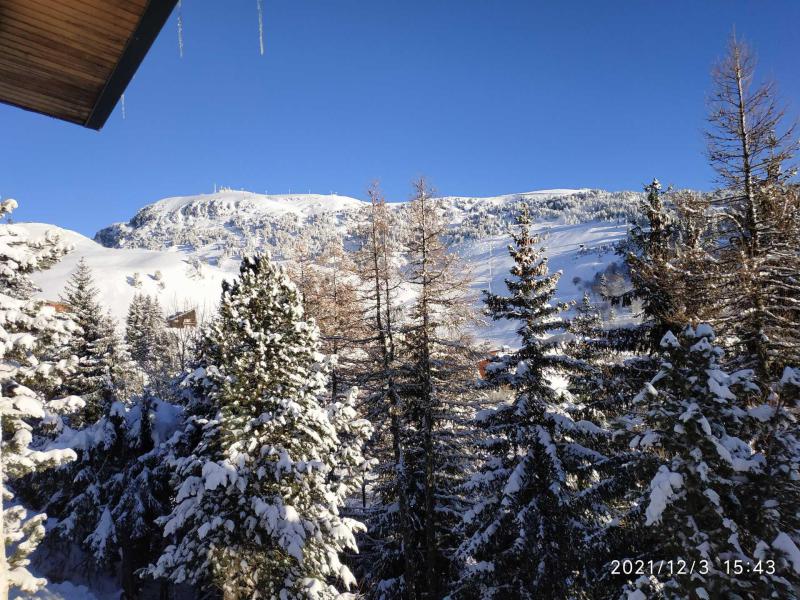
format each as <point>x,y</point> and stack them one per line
<point>484,97</point>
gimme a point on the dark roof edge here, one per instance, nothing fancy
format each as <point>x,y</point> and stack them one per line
<point>153,19</point>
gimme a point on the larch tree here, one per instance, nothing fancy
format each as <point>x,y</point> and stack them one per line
<point>29,330</point>
<point>695,268</point>
<point>437,370</point>
<point>337,313</point>
<point>258,497</point>
<point>752,149</point>
<point>302,270</point>
<point>383,558</point>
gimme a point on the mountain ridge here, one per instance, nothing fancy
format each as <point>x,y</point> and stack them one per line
<point>255,221</point>
<point>180,249</point>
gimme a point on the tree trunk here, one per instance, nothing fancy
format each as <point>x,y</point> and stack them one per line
<point>129,591</point>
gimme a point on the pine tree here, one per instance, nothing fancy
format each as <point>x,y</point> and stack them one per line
<point>26,329</point>
<point>650,248</point>
<point>102,360</point>
<point>115,491</point>
<point>257,505</point>
<point>136,328</point>
<point>698,506</point>
<point>526,524</point>
<point>147,338</point>
<point>587,318</point>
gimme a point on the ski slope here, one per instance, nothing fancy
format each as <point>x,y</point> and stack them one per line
<point>115,269</point>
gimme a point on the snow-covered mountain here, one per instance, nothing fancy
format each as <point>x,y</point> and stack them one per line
<point>180,249</point>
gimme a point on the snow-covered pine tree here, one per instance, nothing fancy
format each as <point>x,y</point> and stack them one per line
<point>101,356</point>
<point>596,384</point>
<point>82,499</point>
<point>648,252</point>
<point>147,338</point>
<point>135,328</point>
<point>699,507</point>
<point>672,275</point>
<point>258,499</point>
<point>117,489</point>
<point>525,528</point>
<point>26,327</point>
<point>117,365</point>
<point>587,318</point>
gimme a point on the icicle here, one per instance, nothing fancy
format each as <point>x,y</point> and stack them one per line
<point>180,30</point>
<point>122,100</point>
<point>260,27</point>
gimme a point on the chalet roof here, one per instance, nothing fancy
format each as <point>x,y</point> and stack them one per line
<point>73,59</point>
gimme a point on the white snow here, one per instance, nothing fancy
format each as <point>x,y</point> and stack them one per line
<point>114,270</point>
<point>59,591</point>
<point>304,204</point>
<point>786,545</point>
<point>211,231</point>
<point>762,412</point>
<point>663,488</point>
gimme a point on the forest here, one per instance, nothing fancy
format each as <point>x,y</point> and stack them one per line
<point>318,436</point>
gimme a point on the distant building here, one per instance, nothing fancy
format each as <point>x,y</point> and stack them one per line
<point>486,361</point>
<point>60,307</point>
<point>182,320</point>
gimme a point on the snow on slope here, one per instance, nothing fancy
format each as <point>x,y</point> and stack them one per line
<point>176,235</point>
<point>579,251</point>
<point>244,220</point>
<point>305,204</point>
<point>115,269</point>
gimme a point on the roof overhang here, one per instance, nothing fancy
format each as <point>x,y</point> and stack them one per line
<point>73,59</point>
